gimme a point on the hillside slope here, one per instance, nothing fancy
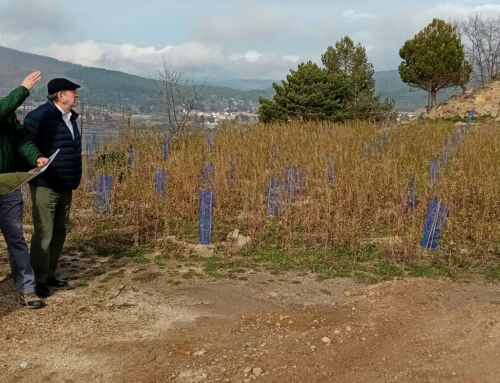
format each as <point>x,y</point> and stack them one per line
<point>140,95</point>
<point>109,87</point>
<point>485,100</point>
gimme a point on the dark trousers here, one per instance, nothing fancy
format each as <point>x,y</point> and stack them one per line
<point>11,224</point>
<point>50,220</point>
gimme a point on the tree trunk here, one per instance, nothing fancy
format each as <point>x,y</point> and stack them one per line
<point>433,98</point>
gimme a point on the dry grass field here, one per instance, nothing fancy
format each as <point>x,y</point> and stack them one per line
<point>334,289</point>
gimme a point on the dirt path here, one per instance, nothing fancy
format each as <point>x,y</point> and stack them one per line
<point>130,323</point>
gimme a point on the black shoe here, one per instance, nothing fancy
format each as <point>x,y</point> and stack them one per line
<point>32,301</point>
<point>56,282</point>
<point>42,290</point>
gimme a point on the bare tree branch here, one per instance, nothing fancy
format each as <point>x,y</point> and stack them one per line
<point>179,97</point>
<point>483,48</point>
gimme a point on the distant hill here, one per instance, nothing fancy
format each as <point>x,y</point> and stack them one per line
<point>390,85</point>
<point>141,95</point>
<point>387,83</point>
<point>107,87</point>
<point>246,84</point>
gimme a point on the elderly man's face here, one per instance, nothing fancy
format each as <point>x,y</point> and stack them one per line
<point>68,98</point>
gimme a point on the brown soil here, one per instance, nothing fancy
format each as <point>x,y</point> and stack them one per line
<point>485,100</point>
<point>123,322</point>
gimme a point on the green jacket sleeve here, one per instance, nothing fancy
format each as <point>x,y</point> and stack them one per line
<point>25,145</point>
<point>13,101</point>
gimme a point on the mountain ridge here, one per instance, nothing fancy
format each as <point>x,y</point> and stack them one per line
<point>141,95</point>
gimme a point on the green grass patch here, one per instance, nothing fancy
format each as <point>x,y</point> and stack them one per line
<point>161,260</point>
<point>140,258</point>
<point>493,273</point>
<point>426,271</point>
<point>213,266</point>
<point>387,271</point>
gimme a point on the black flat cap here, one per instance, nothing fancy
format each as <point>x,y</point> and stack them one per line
<point>58,84</point>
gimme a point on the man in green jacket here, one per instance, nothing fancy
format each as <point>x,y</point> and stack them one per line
<point>15,147</point>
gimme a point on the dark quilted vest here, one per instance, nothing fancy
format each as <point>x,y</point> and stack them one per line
<point>49,131</point>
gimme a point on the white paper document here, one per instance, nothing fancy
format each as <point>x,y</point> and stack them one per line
<point>12,181</point>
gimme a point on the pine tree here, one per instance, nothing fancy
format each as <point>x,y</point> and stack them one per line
<point>350,61</point>
<point>434,59</point>
<point>310,93</point>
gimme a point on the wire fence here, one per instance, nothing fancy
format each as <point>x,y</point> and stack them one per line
<point>99,125</point>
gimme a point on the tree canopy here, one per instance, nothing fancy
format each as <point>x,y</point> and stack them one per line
<point>434,59</point>
<point>310,93</point>
<point>351,61</point>
<point>344,88</point>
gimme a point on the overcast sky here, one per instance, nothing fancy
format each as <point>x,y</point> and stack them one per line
<point>222,39</point>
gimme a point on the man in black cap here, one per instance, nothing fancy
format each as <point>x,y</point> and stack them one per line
<point>53,126</point>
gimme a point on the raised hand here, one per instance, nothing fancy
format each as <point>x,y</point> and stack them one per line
<point>31,79</point>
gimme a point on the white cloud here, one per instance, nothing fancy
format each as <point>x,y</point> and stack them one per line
<point>455,10</point>
<point>291,58</point>
<point>394,24</point>
<point>202,59</point>
<point>351,16</point>
<point>251,56</point>
<point>239,38</point>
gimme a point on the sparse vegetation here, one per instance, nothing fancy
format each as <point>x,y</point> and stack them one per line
<point>324,231</point>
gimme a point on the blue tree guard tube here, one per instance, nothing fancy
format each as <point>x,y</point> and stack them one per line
<point>88,150</point>
<point>411,201</point>
<point>433,172</point>
<point>331,170</point>
<point>447,141</point>
<point>232,169</point>
<point>160,179</point>
<point>130,157</point>
<point>206,216</point>
<point>383,140</point>
<point>434,223</point>
<point>165,150</point>
<point>273,197</point>
<point>471,115</point>
<point>94,140</point>
<point>103,194</point>
<point>444,156</point>
<point>291,182</point>
<point>208,175</point>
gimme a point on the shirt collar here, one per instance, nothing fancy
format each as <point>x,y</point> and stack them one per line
<point>65,114</point>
